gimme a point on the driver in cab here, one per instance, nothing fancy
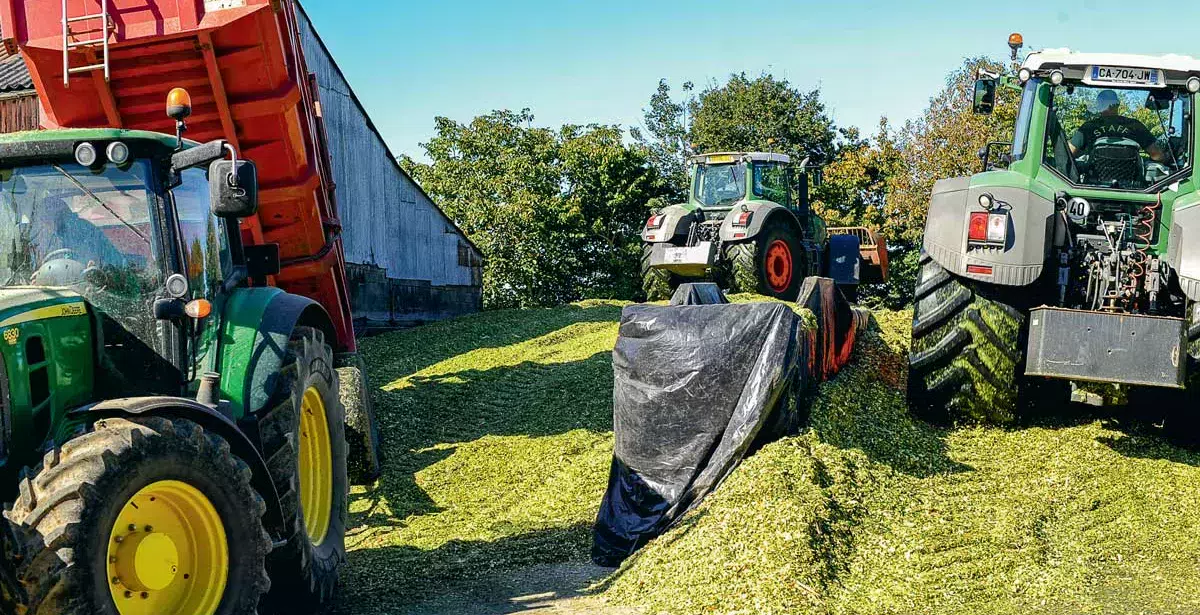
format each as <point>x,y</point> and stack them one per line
<point>1110,124</point>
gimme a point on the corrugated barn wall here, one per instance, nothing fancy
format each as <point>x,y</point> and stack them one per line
<point>409,262</point>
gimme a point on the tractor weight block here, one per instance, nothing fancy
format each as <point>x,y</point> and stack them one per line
<point>691,261</point>
<point>1103,347</point>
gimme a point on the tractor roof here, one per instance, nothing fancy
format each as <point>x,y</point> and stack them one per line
<point>1055,58</point>
<point>724,157</point>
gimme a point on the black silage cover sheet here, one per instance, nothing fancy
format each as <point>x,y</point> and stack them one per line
<point>695,388</point>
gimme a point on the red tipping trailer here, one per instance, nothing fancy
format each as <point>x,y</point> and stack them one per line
<point>111,63</point>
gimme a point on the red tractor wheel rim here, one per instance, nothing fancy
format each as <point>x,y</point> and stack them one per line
<point>779,266</point>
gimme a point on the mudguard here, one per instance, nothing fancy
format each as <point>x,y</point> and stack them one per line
<point>1030,232</point>
<point>676,221</point>
<point>760,214</point>
<point>1184,252</point>
<point>258,324</point>
<point>211,420</point>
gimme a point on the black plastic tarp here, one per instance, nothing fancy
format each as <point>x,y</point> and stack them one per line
<point>696,386</point>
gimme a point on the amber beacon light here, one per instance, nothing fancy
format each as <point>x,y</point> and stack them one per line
<point>179,104</point>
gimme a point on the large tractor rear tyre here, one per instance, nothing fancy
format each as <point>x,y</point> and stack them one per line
<point>304,443</point>
<point>967,362</point>
<point>771,264</point>
<point>657,284</point>
<point>141,516</point>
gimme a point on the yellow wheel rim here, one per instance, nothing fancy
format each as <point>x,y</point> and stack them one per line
<point>316,467</point>
<point>167,553</point>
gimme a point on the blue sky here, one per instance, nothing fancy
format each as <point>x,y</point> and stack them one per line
<point>600,61</point>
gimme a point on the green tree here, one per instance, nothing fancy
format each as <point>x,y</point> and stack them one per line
<point>666,138</point>
<point>762,114</point>
<point>944,142</point>
<point>555,212</point>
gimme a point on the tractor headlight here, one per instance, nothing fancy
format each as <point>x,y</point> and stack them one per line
<point>1193,85</point>
<point>118,153</point>
<point>1025,75</point>
<point>987,201</point>
<point>177,286</point>
<point>86,154</point>
<point>1057,77</point>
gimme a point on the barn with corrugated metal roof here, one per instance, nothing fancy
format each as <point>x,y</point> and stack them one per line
<point>407,261</point>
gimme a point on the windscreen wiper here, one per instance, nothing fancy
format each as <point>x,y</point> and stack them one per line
<point>100,202</point>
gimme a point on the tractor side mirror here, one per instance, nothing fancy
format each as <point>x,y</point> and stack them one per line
<point>985,96</point>
<point>233,187</point>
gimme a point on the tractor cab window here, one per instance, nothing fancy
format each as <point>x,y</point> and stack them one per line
<point>94,232</point>
<point>1126,139</point>
<point>64,225</point>
<point>205,245</point>
<point>771,182</point>
<point>720,185</point>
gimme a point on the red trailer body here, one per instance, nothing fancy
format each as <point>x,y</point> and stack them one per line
<point>243,64</point>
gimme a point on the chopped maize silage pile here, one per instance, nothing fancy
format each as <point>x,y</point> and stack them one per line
<point>873,512</point>
<point>498,434</point>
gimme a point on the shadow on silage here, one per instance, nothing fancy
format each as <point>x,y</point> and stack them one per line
<point>372,585</point>
<point>530,399</point>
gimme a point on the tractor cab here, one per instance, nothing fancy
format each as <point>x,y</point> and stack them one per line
<point>117,240</point>
<point>722,180</point>
<point>1112,122</point>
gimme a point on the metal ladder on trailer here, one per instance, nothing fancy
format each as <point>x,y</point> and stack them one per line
<point>108,28</point>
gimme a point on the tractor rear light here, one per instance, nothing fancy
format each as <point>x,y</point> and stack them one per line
<point>743,218</point>
<point>656,221</point>
<point>978,230</point>
<point>997,230</point>
<point>979,269</point>
<point>988,228</point>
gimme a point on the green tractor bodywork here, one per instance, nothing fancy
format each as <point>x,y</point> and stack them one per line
<point>749,224</point>
<point>1073,259</point>
<point>126,298</point>
<point>52,349</point>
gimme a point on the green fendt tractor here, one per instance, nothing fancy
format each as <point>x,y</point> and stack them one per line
<point>749,225</point>
<point>1070,267</point>
<point>172,437</point>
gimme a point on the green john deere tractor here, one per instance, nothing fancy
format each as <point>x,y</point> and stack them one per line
<point>1070,267</point>
<point>172,436</point>
<point>748,224</point>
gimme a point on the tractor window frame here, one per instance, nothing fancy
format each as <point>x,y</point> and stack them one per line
<point>1024,121</point>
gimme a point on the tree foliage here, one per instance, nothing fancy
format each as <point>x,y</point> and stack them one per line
<point>556,213</point>
<point>666,139</point>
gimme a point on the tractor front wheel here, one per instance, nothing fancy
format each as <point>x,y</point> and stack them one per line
<point>772,264</point>
<point>141,516</point>
<point>304,443</point>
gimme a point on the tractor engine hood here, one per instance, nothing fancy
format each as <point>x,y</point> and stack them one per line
<point>47,349</point>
